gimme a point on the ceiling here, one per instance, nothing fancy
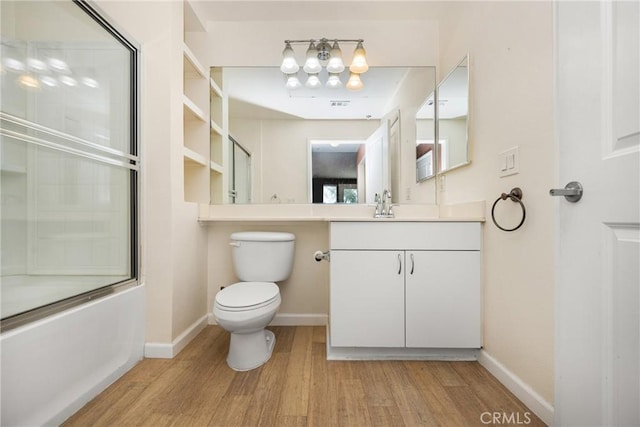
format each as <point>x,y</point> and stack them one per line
<point>328,10</point>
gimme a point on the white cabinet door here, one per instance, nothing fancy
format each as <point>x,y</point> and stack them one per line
<point>443,299</point>
<point>367,298</point>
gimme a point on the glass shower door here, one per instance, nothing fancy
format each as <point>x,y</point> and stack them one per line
<point>68,156</point>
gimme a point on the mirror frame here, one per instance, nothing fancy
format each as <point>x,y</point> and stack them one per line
<point>439,171</point>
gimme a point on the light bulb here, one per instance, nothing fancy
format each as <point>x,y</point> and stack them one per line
<point>69,81</point>
<point>49,81</point>
<point>58,65</point>
<point>313,82</point>
<point>354,83</point>
<point>28,81</point>
<point>293,82</point>
<point>289,64</point>
<point>90,82</point>
<point>334,81</point>
<point>359,63</point>
<point>36,65</point>
<point>312,64</point>
<point>335,65</point>
<point>13,64</point>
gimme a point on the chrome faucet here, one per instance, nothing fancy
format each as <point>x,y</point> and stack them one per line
<point>378,206</point>
<point>384,208</point>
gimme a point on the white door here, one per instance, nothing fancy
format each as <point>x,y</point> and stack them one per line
<point>367,298</point>
<point>377,163</point>
<point>443,299</point>
<point>597,366</point>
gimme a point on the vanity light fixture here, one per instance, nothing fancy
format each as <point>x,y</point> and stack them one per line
<point>327,53</point>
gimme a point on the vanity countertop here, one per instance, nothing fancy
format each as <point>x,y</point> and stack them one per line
<point>461,212</point>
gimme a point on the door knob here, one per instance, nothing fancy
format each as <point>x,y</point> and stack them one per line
<point>572,192</point>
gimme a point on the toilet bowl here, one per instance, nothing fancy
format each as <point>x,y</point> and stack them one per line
<point>246,308</point>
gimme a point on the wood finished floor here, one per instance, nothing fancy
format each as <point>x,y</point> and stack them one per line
<point>298,387</point>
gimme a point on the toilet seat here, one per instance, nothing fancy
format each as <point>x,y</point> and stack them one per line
<point>244,296</point>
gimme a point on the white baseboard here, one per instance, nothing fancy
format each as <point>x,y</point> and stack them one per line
<point>169,351</point>
<point>288,319</point>
<point>543,409</point>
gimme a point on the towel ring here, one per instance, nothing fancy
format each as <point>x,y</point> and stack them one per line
<point>516,196</point>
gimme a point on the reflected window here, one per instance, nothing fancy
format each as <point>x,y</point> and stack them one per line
<point>329,193</point>
<point>350,195</point>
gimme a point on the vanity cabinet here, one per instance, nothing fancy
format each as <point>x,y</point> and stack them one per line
<point>405,284</point>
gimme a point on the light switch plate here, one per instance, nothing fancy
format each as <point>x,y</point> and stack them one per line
<point>509,162</point>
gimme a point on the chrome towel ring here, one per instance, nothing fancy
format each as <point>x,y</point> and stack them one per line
<point>516,196</point>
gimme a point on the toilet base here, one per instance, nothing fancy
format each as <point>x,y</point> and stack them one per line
<point>250,350</point>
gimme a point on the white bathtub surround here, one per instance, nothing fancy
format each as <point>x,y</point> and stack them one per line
<point>87,348</point>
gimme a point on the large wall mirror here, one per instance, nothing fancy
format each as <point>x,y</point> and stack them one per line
<point>453,118</point>
<point>298,137</point>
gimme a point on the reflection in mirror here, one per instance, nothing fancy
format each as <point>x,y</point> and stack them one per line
<point>239,168</point>
<point>275,125</point>
<point>453,118</point>
<point>425,137</point>
<point>337,171</point>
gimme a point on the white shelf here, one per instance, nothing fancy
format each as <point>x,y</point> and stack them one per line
<point>193,109</point>
<point>193,68</point>
<point>215,167</point>
<point>194,157</point>
<point>215,88</point>
<point>216,128</point>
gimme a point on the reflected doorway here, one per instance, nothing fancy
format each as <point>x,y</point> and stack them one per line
<point>337,171</point>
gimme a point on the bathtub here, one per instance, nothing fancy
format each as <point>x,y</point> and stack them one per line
<point>52,367</point>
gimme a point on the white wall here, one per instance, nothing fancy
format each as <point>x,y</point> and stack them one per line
<point>510,45</point>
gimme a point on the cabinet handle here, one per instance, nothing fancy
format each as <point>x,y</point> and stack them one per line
<point>412,264</point>
<point>399,264</point>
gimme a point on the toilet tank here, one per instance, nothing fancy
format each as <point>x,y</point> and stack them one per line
<point>261,256</point>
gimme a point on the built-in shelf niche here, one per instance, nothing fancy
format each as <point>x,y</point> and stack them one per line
<point>196,114</point>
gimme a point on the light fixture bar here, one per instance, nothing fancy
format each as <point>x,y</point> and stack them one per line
<point>326,53</point>
<point>307,41</point>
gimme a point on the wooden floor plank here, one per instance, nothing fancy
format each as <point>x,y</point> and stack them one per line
<point>263,408</point>
<point>440,404</point>
<point>414,410</point>
<point>322,410</point>
<point>297,387</point>
<point>294,400</point>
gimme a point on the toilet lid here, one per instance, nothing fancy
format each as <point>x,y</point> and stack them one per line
<point>247,294</point>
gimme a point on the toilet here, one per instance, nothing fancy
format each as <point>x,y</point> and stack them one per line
<point>247,307</point>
